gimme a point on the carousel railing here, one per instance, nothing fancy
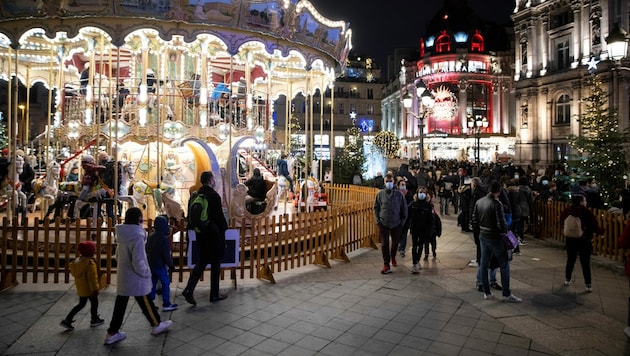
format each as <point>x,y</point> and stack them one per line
<point>40,253</point>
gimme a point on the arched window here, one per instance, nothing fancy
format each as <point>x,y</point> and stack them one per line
<point>563,110</point>
<point>443,43</point>
<point>477,42</point>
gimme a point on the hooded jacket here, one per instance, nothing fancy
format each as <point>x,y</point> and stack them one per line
<point>158,245</point>
<point>83,269</point>
<point>134,275</point>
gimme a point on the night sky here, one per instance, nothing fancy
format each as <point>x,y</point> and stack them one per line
<point>378,27</point>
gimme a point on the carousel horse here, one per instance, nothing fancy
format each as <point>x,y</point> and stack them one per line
<point>127,175</point>
<point>46,188</point>
<point>98,192</point>
<point>164,195</point>
<point>12,189</point>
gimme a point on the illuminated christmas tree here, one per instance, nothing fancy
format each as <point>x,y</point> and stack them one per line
<point>3,131</point>
<point>351,159</point>
<point>600,145</point>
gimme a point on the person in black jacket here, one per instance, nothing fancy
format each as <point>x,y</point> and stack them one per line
<point>210,240</point>
<point>160,260</point>
<point>257,188</point>
<point>421,225</point>
<point>488,217</point>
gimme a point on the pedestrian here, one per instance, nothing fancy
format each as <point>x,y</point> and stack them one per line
<point>623,241</point>
<point>209,225</point>
<point>283,170</point>
<point>85,274</point>
<point>133,277</point>
<point>435,233</point>
<point>421,225</point>
<point>488,217</point>
<point>477,191</point>
<point>402,242</point>
<point>390,213</point>
<point>160,260</point>
<point>379,181</point>
<point>580,246</point>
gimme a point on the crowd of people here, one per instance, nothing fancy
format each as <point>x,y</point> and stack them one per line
<point>488,201</point>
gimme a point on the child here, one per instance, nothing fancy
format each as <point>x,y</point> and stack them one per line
<point>90,174</point>
<point>159,255</point>
<point>83,269</point>
<point>436,232</point>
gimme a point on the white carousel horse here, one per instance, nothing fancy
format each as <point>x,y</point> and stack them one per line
<point>126,176</point>
<point>12,189</point>
<point>165,195</point>
<point>46,188</point>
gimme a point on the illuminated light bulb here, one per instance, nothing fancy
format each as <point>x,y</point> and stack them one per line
<point>88,116</point>
<point>88,93</point>
<point>203,96</point>
<point>142,96</point>
<point>203,118</point>
<point>142,120</point>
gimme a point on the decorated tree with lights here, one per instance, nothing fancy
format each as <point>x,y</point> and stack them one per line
<point>351,159</point>
<point>3,131</point>
<point>387,143</point>
<point>601,143</point>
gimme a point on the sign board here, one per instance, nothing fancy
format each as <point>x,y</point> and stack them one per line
<point>232,243</point>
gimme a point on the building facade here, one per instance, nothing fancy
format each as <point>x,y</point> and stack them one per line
<point>559,44</point>
<point>465,63</point>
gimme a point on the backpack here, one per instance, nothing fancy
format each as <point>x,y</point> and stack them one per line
<point>573,227</point>
<point>197,212</point>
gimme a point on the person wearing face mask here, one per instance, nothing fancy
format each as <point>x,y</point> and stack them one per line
<point>390,214</point>
<point>402,244</point>
<point>421,225</point>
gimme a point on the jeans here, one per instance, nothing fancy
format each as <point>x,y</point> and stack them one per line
<point>389,250</point>
<point>492,275</point>
<point>444,205</point>
<point>120,305</point>
<point>497,248</point>
<point>583,248</point>
<point>161,274</point>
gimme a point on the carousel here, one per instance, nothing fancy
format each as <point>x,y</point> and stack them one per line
<point>169,88</point>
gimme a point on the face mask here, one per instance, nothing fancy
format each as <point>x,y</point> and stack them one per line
<point>389,185</point>
<point>545,182</point>
<point>516,176</point>
<point>403,187</point>
<point>422,196</point>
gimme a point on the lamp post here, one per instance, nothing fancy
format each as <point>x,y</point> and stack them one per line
<point>478,124</point>
<point>426,101</point>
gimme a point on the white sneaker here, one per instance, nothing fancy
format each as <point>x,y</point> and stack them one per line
<point>114,338</point>
<point>488,296</point>
<point>473,263</point>
<point>162,327</point>
<point>512,299</point>
<point>626,331</point>
<point>567,283</point>
<point>589,288</point>
<point>414,269</point>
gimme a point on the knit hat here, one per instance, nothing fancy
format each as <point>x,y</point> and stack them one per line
<point>87,158</point>
<point>87,248</point>
<point>133,215</point>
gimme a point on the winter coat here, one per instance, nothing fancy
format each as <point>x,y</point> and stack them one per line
<point>421,219</point>
<point>134,275</point>
<point>158,245</point>
<point>587,218</point>
<point>488,217</point>
<point>390,208</point>
<point>85,274</point>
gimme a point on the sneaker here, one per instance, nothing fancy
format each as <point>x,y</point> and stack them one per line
<point>67,324</point>
<point>188,295</point>
<point>218,298</point>
<point>488,296</point>
<point>162,327</point>
<point>414,269</point>
<point>96,322</point>
<point>169,307</point>
<point>114,338</point>
<point>480,288</point>
<point>473,263</point>
<point>426,257</point>
<point>496,286</point>
<point>394,262</point>
<point>386,270</point>
<point>589,288</point>
<point>434,254</point>
<point>512,299</point>
<point>567,282</point>
<point>626,331</point>
<point>521,242</point>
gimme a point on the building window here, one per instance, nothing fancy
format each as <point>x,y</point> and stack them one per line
<point>353,107</point>
<point>370,109</point>
<point>524,53</point>
<point>443,43</point>
<point>563,110</point>
<point>341,111</point>
<point>370,93</point>
<point>561,19</point>
<point>477,43</point>
<point>562,54</point>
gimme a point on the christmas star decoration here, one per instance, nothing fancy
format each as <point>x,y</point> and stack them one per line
<point>592,64</point>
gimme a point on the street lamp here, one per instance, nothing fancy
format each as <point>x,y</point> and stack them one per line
<point>426,103</point>
<point>478,124</point>
<point>617,41</point>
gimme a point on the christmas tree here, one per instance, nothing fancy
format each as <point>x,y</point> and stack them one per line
<point>351,159</point>
<point>600,145</point>
<point>3,131</point>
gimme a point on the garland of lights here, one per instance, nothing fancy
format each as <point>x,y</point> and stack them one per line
<point>388,143</point>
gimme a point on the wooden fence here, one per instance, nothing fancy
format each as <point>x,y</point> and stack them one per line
<point>41,253</point>
<point>546,223</point>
